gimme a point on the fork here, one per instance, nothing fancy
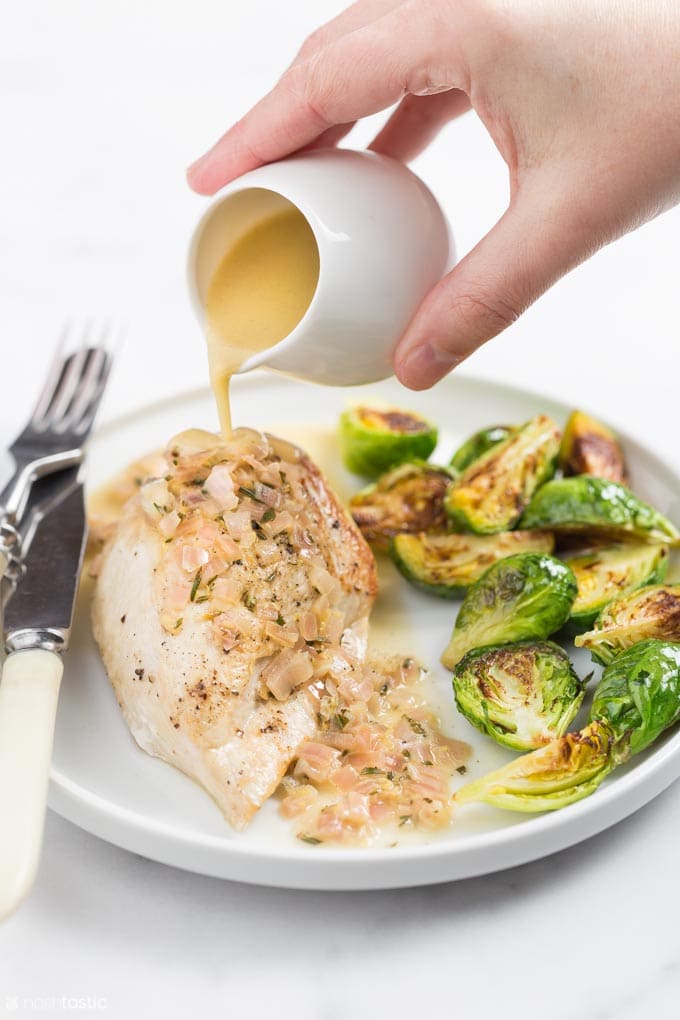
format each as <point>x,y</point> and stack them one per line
<point>57,430</point>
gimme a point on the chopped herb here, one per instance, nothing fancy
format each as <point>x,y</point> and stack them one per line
<point>403,819</point>
<point>160,509</point>
<point>416,726</point>
<point>250,493</point>
<point>407,663</point>
<point>201,598</point>
<point>280,620</point>
<point>461,770</point>
<point>168,540</point>
<point>271,576</point>
<point>384,689</point>
<point>371,770</point>
<point>268,515</point>
<point>248,600</point>
<point>312,840</point>
<point>428,763</point>
<point>390,776</point>
<point>179,622</point>
<point>194,587</point>
<point>197,481</point>
<point>341,719</point>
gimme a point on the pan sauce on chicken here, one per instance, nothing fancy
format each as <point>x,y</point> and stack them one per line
<point>231,611</point>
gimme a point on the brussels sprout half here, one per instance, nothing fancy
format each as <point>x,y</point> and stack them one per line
<point>563,771</point>
<point>523,597</point>
<point>446,564</point>
<point>373,440</point>
<point>639,695</point>
<point>637,699</point>
<point>523,695</point>
<point>479,443</point>
<point>590,448</point>
<point>409,498</point>
<point>605,573</point>
<point>652,612</point>
<point>490,495</point>
<point>591,504</point>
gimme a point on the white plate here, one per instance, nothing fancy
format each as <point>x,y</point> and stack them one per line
<point>103,782</point>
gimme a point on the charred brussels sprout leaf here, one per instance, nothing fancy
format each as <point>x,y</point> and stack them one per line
<point>565,770</point>
<point>408,499</point>
<point>594,504</point>
<point>447,564</point>
<point>523,597</point>
<point>523,695</point>
<point>373,440</point>
<point>637,699</point>
<point>490,495</point>
<point>478,444</point>
<point>606,573</point>
<point>590,448</point>
<point>648,613</point>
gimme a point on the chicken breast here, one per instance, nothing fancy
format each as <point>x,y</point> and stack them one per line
<point>219,593</point>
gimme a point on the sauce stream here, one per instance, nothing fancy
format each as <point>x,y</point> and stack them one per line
<point>258,294</point>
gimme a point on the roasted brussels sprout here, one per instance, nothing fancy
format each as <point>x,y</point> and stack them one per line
<point>639,695</point>
<point>605,573</point>
<point>523,597</point>
<point>447,564</point>
<point>648,613</point>
<point>409,498</point>
<point>591,504</point>
<point>481,442</point>
<point>492,493</point>
<point>373,440</point>
<point>563,771</point>
<point>590,448</point>
<point>637,699</point>
<point>523,695</point>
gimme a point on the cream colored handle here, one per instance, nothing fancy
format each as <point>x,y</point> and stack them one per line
<point>28,708</point>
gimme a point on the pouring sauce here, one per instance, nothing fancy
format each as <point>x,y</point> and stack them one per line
<point>258,294</point>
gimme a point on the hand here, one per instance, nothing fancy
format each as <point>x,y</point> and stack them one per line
<point>581,98</point>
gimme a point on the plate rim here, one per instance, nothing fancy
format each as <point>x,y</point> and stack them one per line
<point>352,868</point>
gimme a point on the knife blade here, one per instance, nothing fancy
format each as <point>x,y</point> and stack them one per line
<point>39,609</point>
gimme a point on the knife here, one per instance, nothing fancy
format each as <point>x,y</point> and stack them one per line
<point>37,625</point>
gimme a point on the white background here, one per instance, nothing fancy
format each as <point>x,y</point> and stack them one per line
<point>101,107</point>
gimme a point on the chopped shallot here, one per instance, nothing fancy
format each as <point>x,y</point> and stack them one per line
<point>220,486</point>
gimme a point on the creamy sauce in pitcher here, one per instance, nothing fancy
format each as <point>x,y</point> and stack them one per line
<point>258,294</point>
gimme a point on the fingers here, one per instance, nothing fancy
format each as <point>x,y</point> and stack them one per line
<point>331,136</point>
<point>353,17</point>
<point>417,121</point>
<point>354,76</point>
<point>530,247</point>
<point>337,86</point>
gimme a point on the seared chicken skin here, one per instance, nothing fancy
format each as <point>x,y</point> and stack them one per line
<point>220,593</point>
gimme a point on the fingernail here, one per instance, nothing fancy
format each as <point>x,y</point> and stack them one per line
<point>424,365</point>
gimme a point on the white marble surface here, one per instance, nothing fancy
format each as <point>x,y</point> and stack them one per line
<point>102,106</point>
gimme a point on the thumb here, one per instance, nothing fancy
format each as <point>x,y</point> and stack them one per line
<point>532,245</point>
